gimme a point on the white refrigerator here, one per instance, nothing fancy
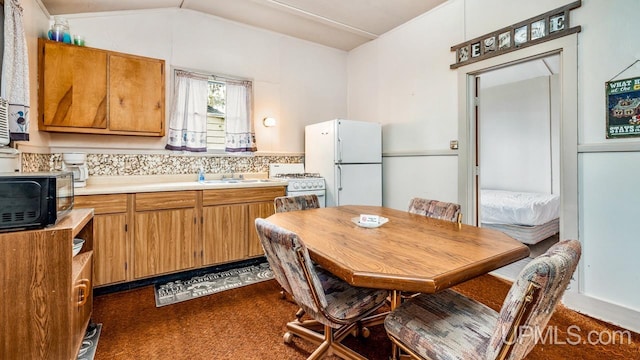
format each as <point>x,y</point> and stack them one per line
<point>348,154</point>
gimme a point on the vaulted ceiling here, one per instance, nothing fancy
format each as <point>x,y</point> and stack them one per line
<point>342,24</point>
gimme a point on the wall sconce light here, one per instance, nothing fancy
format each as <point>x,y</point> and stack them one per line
<point>269,121</point>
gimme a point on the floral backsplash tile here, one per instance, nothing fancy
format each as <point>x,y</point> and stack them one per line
<point>156,164</point>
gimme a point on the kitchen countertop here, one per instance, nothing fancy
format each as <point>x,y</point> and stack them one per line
<point>97,185</point>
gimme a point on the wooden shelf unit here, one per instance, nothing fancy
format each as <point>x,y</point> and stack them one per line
<point>47,296</point>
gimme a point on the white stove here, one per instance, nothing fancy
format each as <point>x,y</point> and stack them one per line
<point>299,182</point>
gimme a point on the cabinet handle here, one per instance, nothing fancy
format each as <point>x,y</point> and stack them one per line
<point>83,290</point>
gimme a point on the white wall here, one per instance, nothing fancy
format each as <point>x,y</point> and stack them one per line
<point>607,168</point>
<point>403,80</point>
<point>407,171</point>
<point>295,81</point>
<point>515,136</point>
<point>391,81</point>
<point>608,222</point>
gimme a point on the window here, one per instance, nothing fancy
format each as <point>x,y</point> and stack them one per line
<point>227,125</point>
<point>216,105</point>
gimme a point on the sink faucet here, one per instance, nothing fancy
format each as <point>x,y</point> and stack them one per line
<point>232,176</point>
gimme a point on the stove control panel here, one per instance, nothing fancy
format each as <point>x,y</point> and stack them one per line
<point>306,184</point>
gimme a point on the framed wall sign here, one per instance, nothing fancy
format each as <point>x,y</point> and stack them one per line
<point>556,23</point>
<point>538,29</point>
<point>623,108</point>
<point>548,26</point>
<point>504,40</point>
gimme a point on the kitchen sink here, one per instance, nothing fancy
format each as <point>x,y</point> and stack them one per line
<point>236,181</point>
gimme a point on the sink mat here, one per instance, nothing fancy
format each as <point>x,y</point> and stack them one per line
<point>181,290</point>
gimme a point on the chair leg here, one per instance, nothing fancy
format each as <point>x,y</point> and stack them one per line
<point>300,314</point>
<point>306,331</point>
<point>329,341</point>
<point>321,351</point>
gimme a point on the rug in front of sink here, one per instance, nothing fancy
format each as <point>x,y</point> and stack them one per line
<point>182,290</point>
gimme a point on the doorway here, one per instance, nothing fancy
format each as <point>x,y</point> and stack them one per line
<point>563,178</point>
<point>517,137</point>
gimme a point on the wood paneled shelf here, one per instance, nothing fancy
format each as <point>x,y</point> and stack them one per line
<point>47,296</point>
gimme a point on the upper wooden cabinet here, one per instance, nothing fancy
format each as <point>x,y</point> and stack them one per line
<point>86,90</point>
<point>74,85</point>
<point>136,91</point>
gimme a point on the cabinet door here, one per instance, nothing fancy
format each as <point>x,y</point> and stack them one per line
<point>73,89</point>
<point>136,94</point>
<point>163,241</point>
<point>81,298</point>
<point>257,210</point>
<point>109,235</point>
<point>224,233</point>
<point>109,247</point>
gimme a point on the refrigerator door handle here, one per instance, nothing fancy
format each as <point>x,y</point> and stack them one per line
<point>339,150</point>
<point>339,185</point>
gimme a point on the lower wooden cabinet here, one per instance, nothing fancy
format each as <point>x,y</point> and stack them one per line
<point>164,242</point>
<point>109,236</point>
<point>224,233</point>
<point>229,215</point>
<point>257,210</point>
<point>148,234</point>
<point>165,232</point>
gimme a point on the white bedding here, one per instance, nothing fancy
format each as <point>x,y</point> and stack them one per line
<point>526,233</point>
<point>518,208</point>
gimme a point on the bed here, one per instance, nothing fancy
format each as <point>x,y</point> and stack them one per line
<point>526,217</point>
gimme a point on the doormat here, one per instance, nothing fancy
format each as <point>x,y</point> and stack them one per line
<point>182,290</point>
<point>90,342</point>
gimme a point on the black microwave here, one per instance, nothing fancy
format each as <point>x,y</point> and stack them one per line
<point>34,200</point>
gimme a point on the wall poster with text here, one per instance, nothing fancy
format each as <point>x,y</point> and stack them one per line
<point>623,108</point>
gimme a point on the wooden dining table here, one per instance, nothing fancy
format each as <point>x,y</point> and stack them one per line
<point>408,253</point>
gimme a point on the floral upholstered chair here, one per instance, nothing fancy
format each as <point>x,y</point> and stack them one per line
<point>448,325</point>
<point>295,203</point>
<point>292,203</point>
<point>436,209</point>
<point>331,302</point>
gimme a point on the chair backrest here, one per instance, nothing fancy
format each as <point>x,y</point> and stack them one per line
<point>284,248</point>
<point>272,257</point>
<point>531,301</point>
<point>436,209</point>
<point>293,203</point>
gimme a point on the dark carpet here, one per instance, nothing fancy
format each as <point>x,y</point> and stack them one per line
<point>248,323</point>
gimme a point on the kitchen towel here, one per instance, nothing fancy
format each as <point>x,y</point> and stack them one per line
<point>15,71</point>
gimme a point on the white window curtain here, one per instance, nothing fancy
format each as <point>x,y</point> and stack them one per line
<point>240,136</point>
<point>188,124</point>
<point>15,71</point>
